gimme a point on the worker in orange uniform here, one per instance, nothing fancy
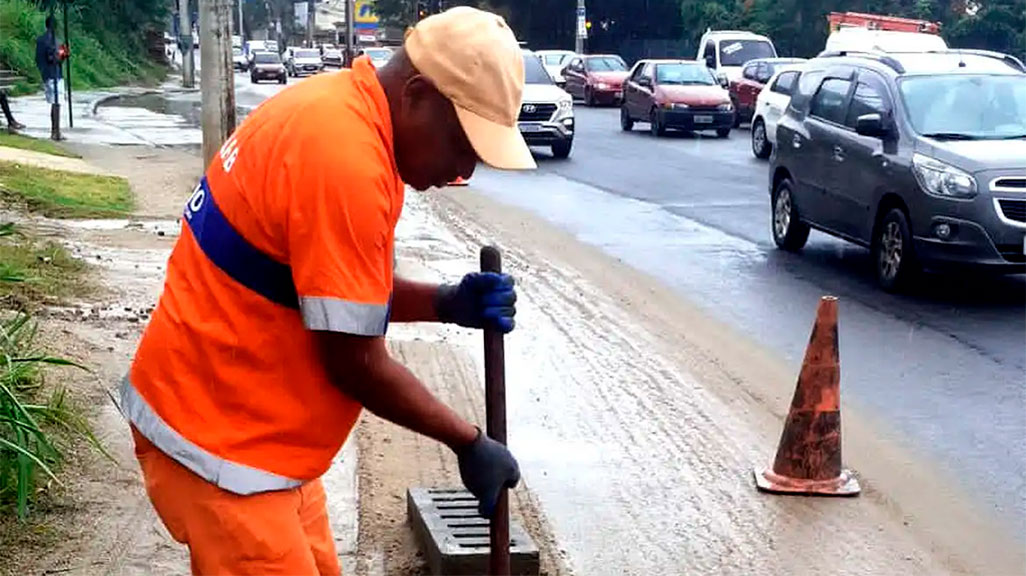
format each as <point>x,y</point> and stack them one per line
<point>268,338</point>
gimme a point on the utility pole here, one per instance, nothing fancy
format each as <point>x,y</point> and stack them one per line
<point>217,85</point>
<point>185,37</point>
<point>582,27</point>
<point>239,27</point>
<point>311,22</point>
<point>350,45</point>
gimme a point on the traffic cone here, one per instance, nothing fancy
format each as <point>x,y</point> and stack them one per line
<point>459,181</point>
<point>809,455</point>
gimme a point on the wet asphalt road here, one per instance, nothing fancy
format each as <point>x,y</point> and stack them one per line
<point>943,368</point>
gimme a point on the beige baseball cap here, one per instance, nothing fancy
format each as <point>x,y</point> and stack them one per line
<point>474,60</point>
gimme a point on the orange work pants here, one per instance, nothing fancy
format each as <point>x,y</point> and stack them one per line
<point>271,533</point>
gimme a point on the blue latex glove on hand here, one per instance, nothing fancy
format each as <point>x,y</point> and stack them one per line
<point>480,300</point>
<point>486,467</point>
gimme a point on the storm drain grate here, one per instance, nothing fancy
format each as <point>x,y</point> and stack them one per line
<point>455,537</point>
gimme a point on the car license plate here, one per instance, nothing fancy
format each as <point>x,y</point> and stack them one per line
<point>703,119</point>
<point>530,128</point>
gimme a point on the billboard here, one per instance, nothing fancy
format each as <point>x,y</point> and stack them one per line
<point>365,19</point>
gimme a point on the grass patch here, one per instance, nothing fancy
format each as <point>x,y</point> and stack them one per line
<point>64,194</point>
<point>34,271</point>
<point>38,423</point>
<point>35,145</point>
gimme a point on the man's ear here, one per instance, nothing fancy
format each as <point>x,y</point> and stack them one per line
<point>416,92</point>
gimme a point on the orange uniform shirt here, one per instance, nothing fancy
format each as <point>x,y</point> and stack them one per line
<point>228,382</point>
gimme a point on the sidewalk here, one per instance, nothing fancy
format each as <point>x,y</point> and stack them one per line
<point>113,126</point>
<point>49,161</point>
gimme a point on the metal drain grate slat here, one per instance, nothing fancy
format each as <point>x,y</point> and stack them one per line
<point>455,538</point>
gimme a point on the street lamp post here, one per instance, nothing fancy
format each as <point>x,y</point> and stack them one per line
<point>582,27</point>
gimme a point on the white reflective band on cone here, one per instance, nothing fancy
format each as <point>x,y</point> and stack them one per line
<point>231,476</point>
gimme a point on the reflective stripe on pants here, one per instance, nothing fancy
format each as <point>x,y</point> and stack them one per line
<point>231,476</point>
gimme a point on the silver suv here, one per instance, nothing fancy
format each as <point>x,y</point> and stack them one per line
<point>920,157</point>
<point>547,111</point>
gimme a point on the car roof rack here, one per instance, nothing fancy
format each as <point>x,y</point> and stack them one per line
<point>1006,58</point>
<point>881,57</point>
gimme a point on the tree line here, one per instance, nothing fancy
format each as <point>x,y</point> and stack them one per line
<point>797,27</point>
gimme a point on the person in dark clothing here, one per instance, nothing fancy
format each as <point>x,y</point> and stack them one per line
<point>48,61</point>
<point>12,124</point>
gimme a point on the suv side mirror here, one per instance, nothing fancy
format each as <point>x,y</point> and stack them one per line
<point>710,61</point>
<point>722,79</point>
<point>871,125</point>
<point>645,81</point>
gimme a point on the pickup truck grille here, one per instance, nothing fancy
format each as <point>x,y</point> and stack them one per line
<point>536,112</point>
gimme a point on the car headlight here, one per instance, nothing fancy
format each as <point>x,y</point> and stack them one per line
<point>726,107</point>
<point>602,86</point>
<point>942,179</point>
<point>675,106</point>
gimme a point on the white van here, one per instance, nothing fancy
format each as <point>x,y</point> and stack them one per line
<point>727,51</point>
<point>858,39</point>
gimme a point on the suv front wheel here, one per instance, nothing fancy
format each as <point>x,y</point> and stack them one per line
<point>561,149</point>
<point>789,232</point>
<point>893,255</point>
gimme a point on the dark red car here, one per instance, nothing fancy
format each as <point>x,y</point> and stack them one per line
<point>754,76</point>
<point>596,78</point>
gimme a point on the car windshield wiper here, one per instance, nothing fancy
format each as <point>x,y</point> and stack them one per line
<point>951,136</point>
<point>1012,137</point>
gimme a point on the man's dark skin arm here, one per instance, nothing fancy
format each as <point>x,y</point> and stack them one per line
<point>361,367</point>
<point>413,301</point>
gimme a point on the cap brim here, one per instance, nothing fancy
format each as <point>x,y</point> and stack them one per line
<point>498,146</point>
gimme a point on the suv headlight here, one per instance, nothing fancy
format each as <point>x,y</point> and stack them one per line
<point>942,179</point>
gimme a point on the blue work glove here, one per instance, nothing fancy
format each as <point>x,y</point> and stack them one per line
<point>480,300</point>
<point>487,467</point>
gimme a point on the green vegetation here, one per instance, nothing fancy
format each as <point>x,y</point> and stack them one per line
<point>36,421</point>
<point>107,41</point>
<point>64,194</point>
<point>34,144</point>
<point>33,271</point>
<point>672,28</point>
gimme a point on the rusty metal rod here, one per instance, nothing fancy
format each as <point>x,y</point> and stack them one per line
<point>495,415</point>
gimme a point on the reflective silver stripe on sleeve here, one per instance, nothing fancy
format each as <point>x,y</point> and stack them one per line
<point>336,315</point>
<point>231,476</point>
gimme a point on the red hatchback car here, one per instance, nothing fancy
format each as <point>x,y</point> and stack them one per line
<point>596,78</point>
<point>678,95</point>
<point>754,76</point>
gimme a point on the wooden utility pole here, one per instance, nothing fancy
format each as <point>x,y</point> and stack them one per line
<point>185,37</point>
<point>217,79</point>
<point>311,22</point>
<point>350,41</point>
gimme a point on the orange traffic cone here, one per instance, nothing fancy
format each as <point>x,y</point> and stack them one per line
<point>458,182</point>
<point>809,455</point>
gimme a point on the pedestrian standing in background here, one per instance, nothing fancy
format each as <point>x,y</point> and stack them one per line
<point>48,61</point>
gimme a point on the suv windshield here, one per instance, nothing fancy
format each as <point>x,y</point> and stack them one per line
<point>739,52</point>
<point>266,58</point>
<point>534,73</point>
<point>307,54</point>
<point>605,64</point>
<point>684,74</point>
<point>554,59</point>
<point>964,107</point>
